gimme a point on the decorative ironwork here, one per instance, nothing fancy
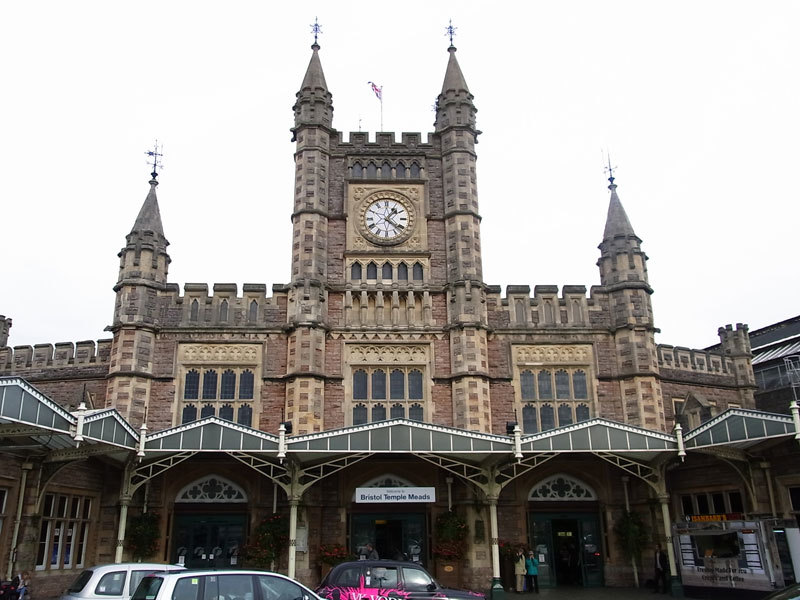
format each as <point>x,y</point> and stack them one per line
<point>212,488</point>
<point>563,488</point>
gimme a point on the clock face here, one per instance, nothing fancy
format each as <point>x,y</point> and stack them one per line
<point>387,220</point>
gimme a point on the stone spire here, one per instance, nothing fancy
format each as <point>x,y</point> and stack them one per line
<point>454,106</point>
<point>314,105</point>
<point>617,223</point>
<point>622,260</point>
<point>149,218</point>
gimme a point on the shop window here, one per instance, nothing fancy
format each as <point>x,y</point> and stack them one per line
<point>63,532</point>
<point>191,385</point>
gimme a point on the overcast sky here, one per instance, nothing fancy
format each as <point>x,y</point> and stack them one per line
<point>698,103</point>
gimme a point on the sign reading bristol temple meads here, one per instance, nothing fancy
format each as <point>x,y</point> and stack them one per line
<point>384,384</point>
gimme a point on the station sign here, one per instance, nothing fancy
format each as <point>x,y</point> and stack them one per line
<point>387,495</point>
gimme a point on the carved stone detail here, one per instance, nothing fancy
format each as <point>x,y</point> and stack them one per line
<point>395,353</point>
<point>554,354</point>
<point>219,353</point>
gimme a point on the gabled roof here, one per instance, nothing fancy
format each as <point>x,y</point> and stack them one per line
<point>739,428</point>
<point>210,434</point>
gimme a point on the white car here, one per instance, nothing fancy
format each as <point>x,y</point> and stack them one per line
<point>113,582</point>
<point>221,585</point>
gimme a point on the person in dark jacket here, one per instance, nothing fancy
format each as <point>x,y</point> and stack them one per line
<point>661,569</point>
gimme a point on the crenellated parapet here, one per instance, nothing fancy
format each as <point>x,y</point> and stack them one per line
<point>223,307</point>
<point>34,360</point>
<point>545,307</point>
<point>358,142</point>
<point>680,358</point>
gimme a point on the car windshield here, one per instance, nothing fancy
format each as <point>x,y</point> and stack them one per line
<point>148,588</point>
<point>80,582</point>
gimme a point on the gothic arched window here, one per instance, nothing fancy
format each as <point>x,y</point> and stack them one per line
<point>415,412</point>
<point>581,413</point>
<point>207,411</point>
<point>547,415</point>
<point>189,413</point>
<point>378,385</point>
<point>194,311</point>
<point>223,311</point>
<point>210,385</point>
<point>245,415</point>
<point>372,271</point>
<point>372,170</point>
<point>415,171</point>
<point>228,388</point>
<point>519,309</point>
<point>191,386</point>
<point>417,272</point>
<point>386,270</point>
<point>246,385</point>
<point>564,415</point>
<point>386,173</point>
<point>529,419</point>
<point>378,413</point>
<point>402,272</point>
<point>415,384</point>
<point>252,314</point>
<point>397,385</point>
<point>562,384</point>
<point>579,385</point>
<point>226,412</point>
<point>545,386</point>
<point>355,272</point>
<point>360,385</point>
<point>400,171</point>
<point>397,411</point>
<point>358,170</point>
<point>359,414</point>
<point>527,386</point>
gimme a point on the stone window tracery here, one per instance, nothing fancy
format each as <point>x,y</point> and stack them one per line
<point>539,387</point>
<point>561,487</point>
<point>212,488</point>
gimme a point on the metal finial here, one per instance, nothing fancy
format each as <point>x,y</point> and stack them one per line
<point>155,155</point>
<point>609,170</point>
<point>316,29</point>
<point>450,31</point>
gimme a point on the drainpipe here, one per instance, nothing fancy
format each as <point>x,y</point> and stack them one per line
<point>12,556</point>
<point>449,481</point>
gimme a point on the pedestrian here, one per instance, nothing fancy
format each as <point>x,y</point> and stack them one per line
<point>22,586</point>
<point>660,564</point>
<point>519,569</point>
<point>372,554</point>
<point>532,572</point>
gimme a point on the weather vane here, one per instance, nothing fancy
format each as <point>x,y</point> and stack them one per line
<point>316,30</point>
<point>155,155</point>
<point>609,169</point>
<point>450,31</point>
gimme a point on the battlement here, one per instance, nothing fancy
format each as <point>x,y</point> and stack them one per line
<point>544,308</point>
<point>695,361</point>
<point>383,141</point>
<point>21,359</point>
<point>735,342</point>
<point>224,306</point>
<point>5,325</point>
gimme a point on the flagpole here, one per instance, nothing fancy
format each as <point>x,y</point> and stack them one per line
<point>381,110</point>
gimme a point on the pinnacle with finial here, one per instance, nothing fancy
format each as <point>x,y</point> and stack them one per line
<point>450,31</point>
<point>316,29</point>
<point>155,155</point>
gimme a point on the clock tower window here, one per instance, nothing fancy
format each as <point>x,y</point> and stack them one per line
<point>355,272</point>
<point>402,272</point>
<point>372,271</point>
<point>387,271</point>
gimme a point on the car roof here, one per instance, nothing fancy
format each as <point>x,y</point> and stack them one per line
<point>137,565</point>
<point>380,563</point>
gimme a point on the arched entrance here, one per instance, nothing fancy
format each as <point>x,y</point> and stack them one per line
<point>565,532</point>
<point>210,523</point>
<point>395,528</point>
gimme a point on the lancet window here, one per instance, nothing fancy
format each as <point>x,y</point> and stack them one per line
<point>553,397</point>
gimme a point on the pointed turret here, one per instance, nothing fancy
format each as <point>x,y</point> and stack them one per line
<point>149,218</point>
<point>454,106</point>
<point>621,257</point>
<point>314,105</point>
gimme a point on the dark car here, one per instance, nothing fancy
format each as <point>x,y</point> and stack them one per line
<point>390,579</point>
<point>790,593</point>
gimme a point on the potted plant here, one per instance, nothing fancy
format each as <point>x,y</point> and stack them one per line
<point>450,547</point>
<point>267,542</point>
<point>632,537</point>
<point>144,533</point>
<point>331,555</point>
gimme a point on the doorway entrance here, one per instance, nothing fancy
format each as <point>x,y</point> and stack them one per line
<point>395,535</point>
<point>568,548</point>
<point>208,541</point>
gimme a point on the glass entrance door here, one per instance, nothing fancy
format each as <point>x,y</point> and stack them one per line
<point>395,536</point>
<point>208,541</point>
<point>568,548</point>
